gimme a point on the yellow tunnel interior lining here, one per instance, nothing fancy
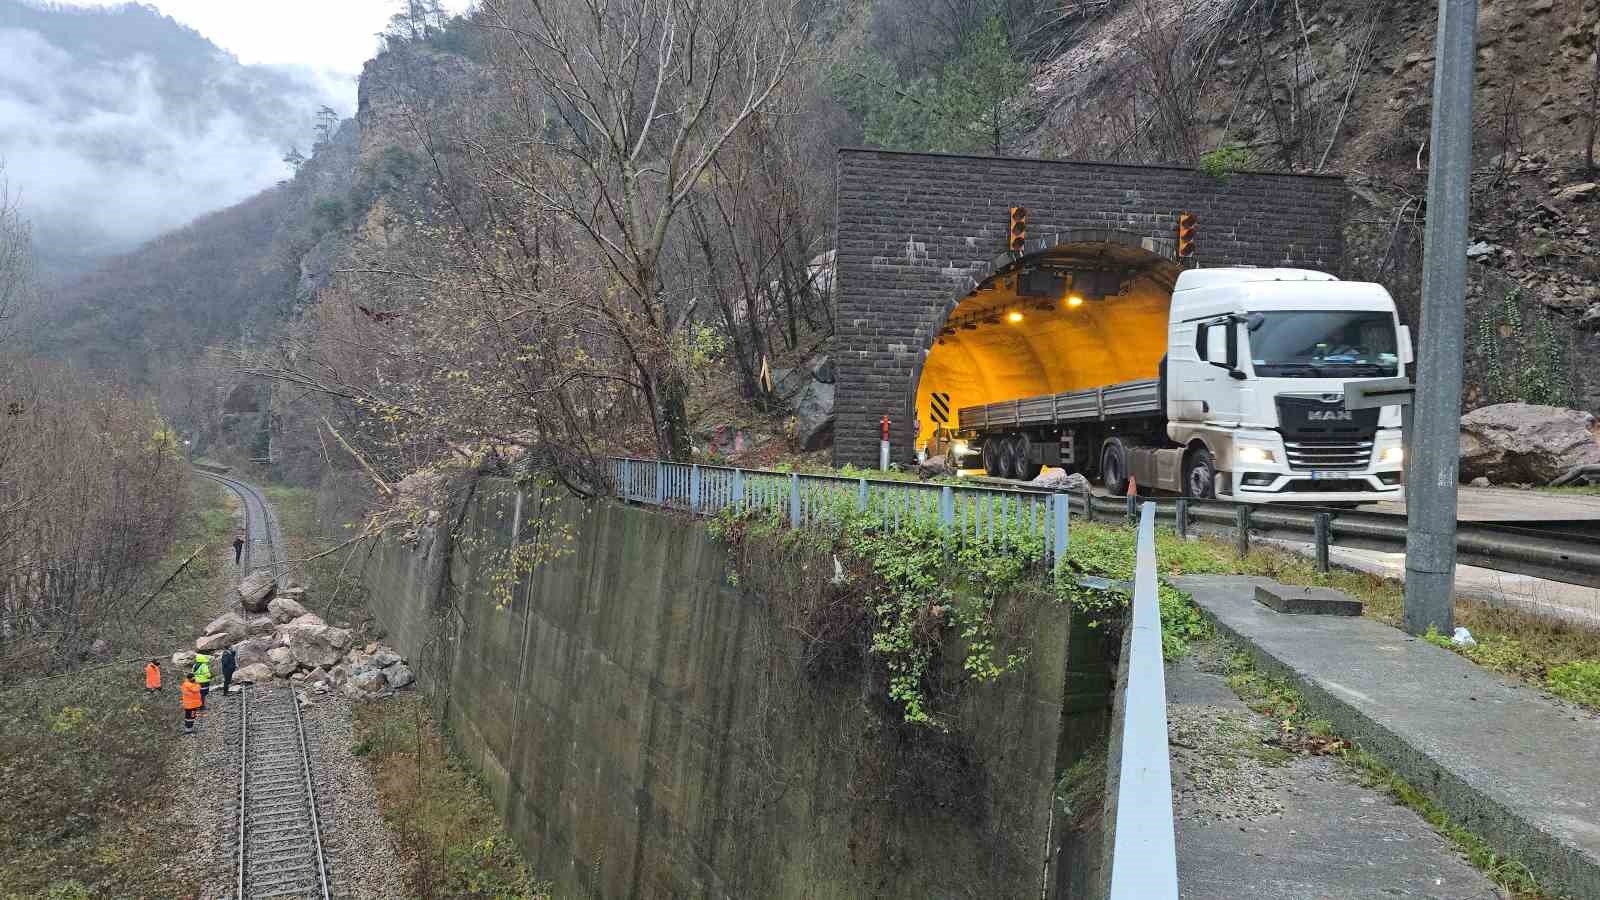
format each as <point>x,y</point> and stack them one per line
<point>1060,347</point>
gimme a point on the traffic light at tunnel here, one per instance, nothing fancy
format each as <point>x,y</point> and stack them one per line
<point>1019,229</point>
<point>1187,225</point>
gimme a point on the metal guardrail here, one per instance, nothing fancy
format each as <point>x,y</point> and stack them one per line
<point>1003,514</point>
<point>973,509</point>
<point>1144,856</point>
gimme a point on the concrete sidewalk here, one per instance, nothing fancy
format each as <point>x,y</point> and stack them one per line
<point>1507,762</point>
<point>1256,823</point>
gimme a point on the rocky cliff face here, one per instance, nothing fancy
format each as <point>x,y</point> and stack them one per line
<point>1345,86</point>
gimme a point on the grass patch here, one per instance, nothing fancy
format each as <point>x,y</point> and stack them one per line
<point>83,760</point>
<point>1280,700</point>
<point>449,831</point>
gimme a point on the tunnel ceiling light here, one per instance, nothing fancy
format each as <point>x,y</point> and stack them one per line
<point>1014,316</point>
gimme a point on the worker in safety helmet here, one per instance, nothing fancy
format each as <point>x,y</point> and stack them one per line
<point>202,676</point>
<point>191,702</point>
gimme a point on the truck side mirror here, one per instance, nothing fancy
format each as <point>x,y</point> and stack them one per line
<point>1222,346</point>
<point>1408,355</point>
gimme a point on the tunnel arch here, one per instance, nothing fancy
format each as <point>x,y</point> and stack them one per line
<point>1114,331</point>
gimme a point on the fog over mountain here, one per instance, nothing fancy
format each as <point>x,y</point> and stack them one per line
<point>119,124</point>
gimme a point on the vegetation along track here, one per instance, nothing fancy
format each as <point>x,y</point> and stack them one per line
<point>280,852</point>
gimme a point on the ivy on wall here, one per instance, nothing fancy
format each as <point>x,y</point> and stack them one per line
<point>1522,364</point>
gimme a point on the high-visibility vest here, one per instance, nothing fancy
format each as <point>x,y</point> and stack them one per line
<point>152,676</point>
<point>191,695</point>
<point>202,668</point>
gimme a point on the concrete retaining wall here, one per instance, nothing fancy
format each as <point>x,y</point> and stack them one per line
<point>644,731</point>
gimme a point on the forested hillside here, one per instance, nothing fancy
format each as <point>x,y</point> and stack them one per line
<point>511,251</point>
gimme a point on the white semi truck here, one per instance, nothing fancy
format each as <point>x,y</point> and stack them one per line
<point>1247,405</point>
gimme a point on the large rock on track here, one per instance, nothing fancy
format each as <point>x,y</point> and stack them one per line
<point>255,590</point>
<point>282,661</point>
<point>254,674</point>
<point>213,643</point>
<point>253,651</point>
<point>231,624</point>
<point>316,645</point>
<point>283,609</point>
<point>1519,443</point>
<point>398,675</point>
<point>259,625</point>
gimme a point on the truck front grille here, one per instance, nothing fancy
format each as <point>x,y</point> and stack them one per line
<point>1334,453</point>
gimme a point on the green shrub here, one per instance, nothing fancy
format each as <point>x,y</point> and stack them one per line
<point>1224,161</point>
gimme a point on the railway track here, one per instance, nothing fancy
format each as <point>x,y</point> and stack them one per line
<point>280,852</point>
<point>279,848</point>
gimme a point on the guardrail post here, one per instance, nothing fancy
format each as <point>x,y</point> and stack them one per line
<point>1088,504</point>
<point>627,479</point>
<point>738,488</point>
<point>1061,502</point>
<point>947,506</point>
<point>1133,508</point>
<point>694,488</point>
<point>794,500</point>
<point>661,483</point>
<point>1241,527</point>
<point>861,494</point>
<point>1180,517</point>
<point>1322,524</point>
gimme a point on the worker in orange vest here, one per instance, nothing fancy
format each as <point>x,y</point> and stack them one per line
<point>152,676</point>
<point>191,702</point>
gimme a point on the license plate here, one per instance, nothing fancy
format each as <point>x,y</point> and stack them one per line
<point>1326,476</point>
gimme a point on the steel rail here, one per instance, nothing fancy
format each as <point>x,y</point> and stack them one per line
<point>311,797</point>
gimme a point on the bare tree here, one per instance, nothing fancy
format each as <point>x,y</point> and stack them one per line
<point>16,259</point>
<point>644,96</point>
<point>1594,105</point>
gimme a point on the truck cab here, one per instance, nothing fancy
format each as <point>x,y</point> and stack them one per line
<point>1257,363</point>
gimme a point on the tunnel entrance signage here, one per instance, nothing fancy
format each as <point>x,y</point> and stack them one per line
<point>940,404</point>
<point>1378,392</point>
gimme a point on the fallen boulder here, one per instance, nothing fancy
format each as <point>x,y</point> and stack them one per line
<point>814,416</point>
<point>398,675</point>
<point>231,624</point>
<point>308,619</point>
<point>316,645</point>
<point>252,651</point>
<point>1059,480</point>
<point>316,675</point>
<point>255,590</point>
<point>934,466</point>
<point>282,609</point>
<point>282,660</point>
<point>385,658</point>
<point>1511,443</point>
<point>259,625</point>
<point>182,660</point>
<point>254,674</point>
<point>366,684</point>
<point>213,643</point>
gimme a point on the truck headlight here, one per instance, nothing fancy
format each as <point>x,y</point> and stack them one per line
<point>1255,455</point>
<point>959,448</point>
<point>1393,455</point>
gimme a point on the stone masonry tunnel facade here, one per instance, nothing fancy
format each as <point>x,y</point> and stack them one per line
<point>920,235</point>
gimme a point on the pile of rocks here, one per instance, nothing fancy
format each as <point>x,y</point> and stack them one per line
<point>276,637</point>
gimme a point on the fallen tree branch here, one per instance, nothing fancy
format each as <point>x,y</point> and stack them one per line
<point>175,573</point>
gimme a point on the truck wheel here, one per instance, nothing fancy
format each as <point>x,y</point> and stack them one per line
<point>1023,469</point>
<point>1114,468</point>
<point>1008,456</point>
<point>1200,475</point>
<point>991,456</point>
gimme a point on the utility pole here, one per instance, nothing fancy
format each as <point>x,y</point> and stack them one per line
<point>1436,456</point>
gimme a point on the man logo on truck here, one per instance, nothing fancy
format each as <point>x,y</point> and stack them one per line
<point>1330,415</point>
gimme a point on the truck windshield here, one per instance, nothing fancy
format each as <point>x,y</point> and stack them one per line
<point>1323,344</point>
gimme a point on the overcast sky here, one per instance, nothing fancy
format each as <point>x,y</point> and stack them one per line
<point>335,36</point>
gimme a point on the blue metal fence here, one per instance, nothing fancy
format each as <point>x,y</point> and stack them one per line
<point>986,512</point>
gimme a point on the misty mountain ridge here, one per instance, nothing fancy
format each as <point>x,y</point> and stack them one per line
<point>119,124</point>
